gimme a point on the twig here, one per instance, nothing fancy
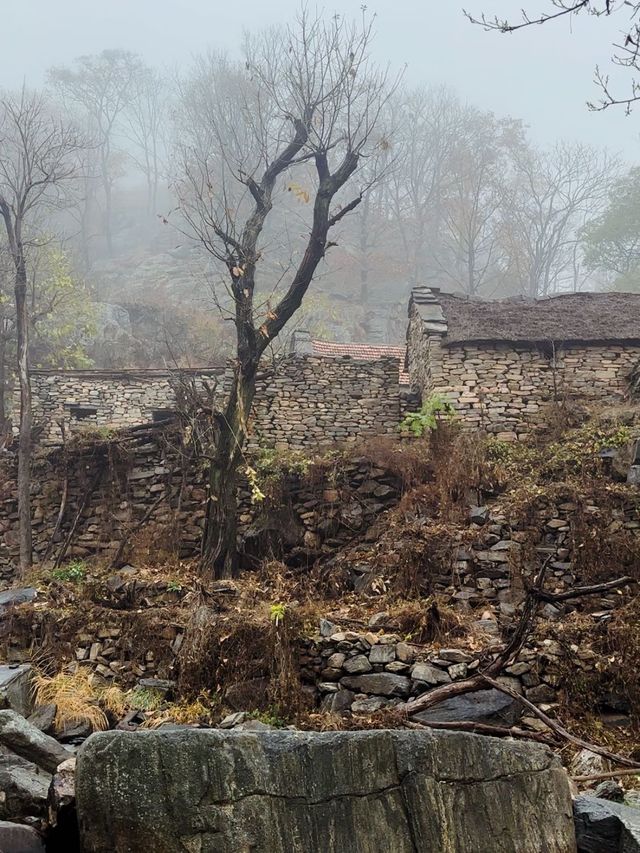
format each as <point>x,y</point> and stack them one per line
<point>90,490</point>
<point>63,506</point>
<point>127,538</point>
<point>63,499</point>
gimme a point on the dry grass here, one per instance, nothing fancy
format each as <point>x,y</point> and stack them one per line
<point>75,698</point>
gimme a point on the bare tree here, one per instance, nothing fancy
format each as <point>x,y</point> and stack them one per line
<point>101,87</point>
<point>626,52</point>
<point>554,193</point>
<point>308,96</point>
<point>480,172</point>
<point>428,123</point>
<point>144,119</point>
<point>7,327</point>
<point>37,156</point>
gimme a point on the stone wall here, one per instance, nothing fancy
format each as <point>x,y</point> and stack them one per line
<point>310,401</point>
<point>81,399</point>
<point>376,667</point>
<point>109,488</point>
<point>304,401</point>
<point>507,388</point>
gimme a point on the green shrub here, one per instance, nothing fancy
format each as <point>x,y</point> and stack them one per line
<point>433,411</point>
<point>73,572</point>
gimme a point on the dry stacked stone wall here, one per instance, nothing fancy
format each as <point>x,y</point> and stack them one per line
<point>304,401</point>
<point>310,401</point>
<point>507,388</point>
<point>81,399</point>
<point>110,489</point>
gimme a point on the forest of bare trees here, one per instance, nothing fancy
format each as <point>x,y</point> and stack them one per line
<point>453,196</point>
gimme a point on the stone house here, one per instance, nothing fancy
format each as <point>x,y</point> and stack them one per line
<point>318,394</point>
<point>502,363</point>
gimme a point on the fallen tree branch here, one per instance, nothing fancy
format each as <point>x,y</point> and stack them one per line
<point>580,591</point>
<point>612,774</point>
<point>482,729</point>
<point>555,726</point>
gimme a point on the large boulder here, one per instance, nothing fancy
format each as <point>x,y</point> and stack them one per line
<point>606,827</point>
<point>334,792</point>
<point>19,839</point>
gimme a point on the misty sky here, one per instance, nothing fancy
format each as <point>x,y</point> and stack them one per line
<point>542,75</point>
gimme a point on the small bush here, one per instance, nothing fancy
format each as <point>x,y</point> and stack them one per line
<point>74,572</point>
<point>433,411</point>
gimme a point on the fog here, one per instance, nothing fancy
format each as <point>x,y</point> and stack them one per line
<point>480,170</point>
<point>542,75</point>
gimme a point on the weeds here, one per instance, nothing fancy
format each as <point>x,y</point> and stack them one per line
<point>145,699</point>
<point>273,716</point>
<point>74,572</point>
<point>432,413</point>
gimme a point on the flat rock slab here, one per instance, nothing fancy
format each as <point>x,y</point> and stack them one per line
<point>25,740</point>
<point>382,791</point>
<point>482,706</point>
<point>606,827</point>
<point>11,597</point>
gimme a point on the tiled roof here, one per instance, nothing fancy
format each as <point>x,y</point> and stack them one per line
<point>366,352</point>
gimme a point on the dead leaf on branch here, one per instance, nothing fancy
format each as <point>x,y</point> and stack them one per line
<point>299,192</point>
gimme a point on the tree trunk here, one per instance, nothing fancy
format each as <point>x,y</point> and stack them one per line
<point>24,446</point>
<point>4,421</point>
<point>219,545</point>
<point>108,214</point>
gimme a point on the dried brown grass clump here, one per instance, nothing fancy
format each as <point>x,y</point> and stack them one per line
<point>609,674</point>
<point>75,698</point>
<point>431,620</point>
<point>223,650</point>
<point>410,460</point>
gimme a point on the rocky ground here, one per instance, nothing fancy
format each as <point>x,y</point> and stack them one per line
<point>425,598</point>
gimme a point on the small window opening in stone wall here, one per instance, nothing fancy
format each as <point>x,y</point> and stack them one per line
<point>81,413</point>
<point>158,415</point>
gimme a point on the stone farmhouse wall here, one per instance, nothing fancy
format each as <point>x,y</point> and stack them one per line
<point>78,399</point>
<point>506,388</point>
<point>309,401</point>
<point>303,401</point>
